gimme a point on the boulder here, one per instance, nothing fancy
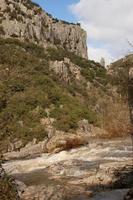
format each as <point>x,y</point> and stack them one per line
<point>64,68</point>
<point>65,141</point>
<point>30,150</point>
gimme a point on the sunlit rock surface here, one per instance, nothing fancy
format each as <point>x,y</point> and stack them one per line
<point>27,21</point>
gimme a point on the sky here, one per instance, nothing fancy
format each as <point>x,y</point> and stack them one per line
<point>109,24</point>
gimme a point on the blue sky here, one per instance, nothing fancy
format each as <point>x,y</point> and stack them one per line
<point>58,8</point>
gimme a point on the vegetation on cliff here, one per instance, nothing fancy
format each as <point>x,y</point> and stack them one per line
<point>28,87</point>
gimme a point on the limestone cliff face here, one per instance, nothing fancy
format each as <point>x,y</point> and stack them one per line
<point>25,20</point>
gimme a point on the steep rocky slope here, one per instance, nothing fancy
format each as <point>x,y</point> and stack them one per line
<point>56,98</point>
<point>27,21</point>
<point>41,92</point>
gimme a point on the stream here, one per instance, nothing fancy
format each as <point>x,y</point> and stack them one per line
<point>83,166</point>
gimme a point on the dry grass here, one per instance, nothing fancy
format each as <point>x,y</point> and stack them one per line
<point>116,119</point>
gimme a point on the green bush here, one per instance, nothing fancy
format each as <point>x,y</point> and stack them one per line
<point>70,113</point>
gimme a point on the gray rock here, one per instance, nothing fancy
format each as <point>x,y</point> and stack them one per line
<point>21,187</point>
<point>64,68</point>
<point>16,145</point>
<point>26,21</point>
<point>30,150</point>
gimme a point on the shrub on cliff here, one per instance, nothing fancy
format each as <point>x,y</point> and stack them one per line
<point>89,69</point>
<point>28,87</point>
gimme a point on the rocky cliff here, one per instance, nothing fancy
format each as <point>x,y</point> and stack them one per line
<point>27,21</point>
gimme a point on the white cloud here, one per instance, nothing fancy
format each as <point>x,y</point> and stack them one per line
<point>109,23</point>
<point>97,53</point>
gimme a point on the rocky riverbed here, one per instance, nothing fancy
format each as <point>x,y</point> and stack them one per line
<point>100,170</point>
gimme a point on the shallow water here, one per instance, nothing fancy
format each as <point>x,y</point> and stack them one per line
<point>36,177</point>
<point>57,169</point>
<point>97,152</point>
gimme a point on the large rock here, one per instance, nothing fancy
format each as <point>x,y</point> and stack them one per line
<point>57,142</point>
<point>65,69</point>
<point>65,141</point>
<point>27,21</point>
<point>30,150</point>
